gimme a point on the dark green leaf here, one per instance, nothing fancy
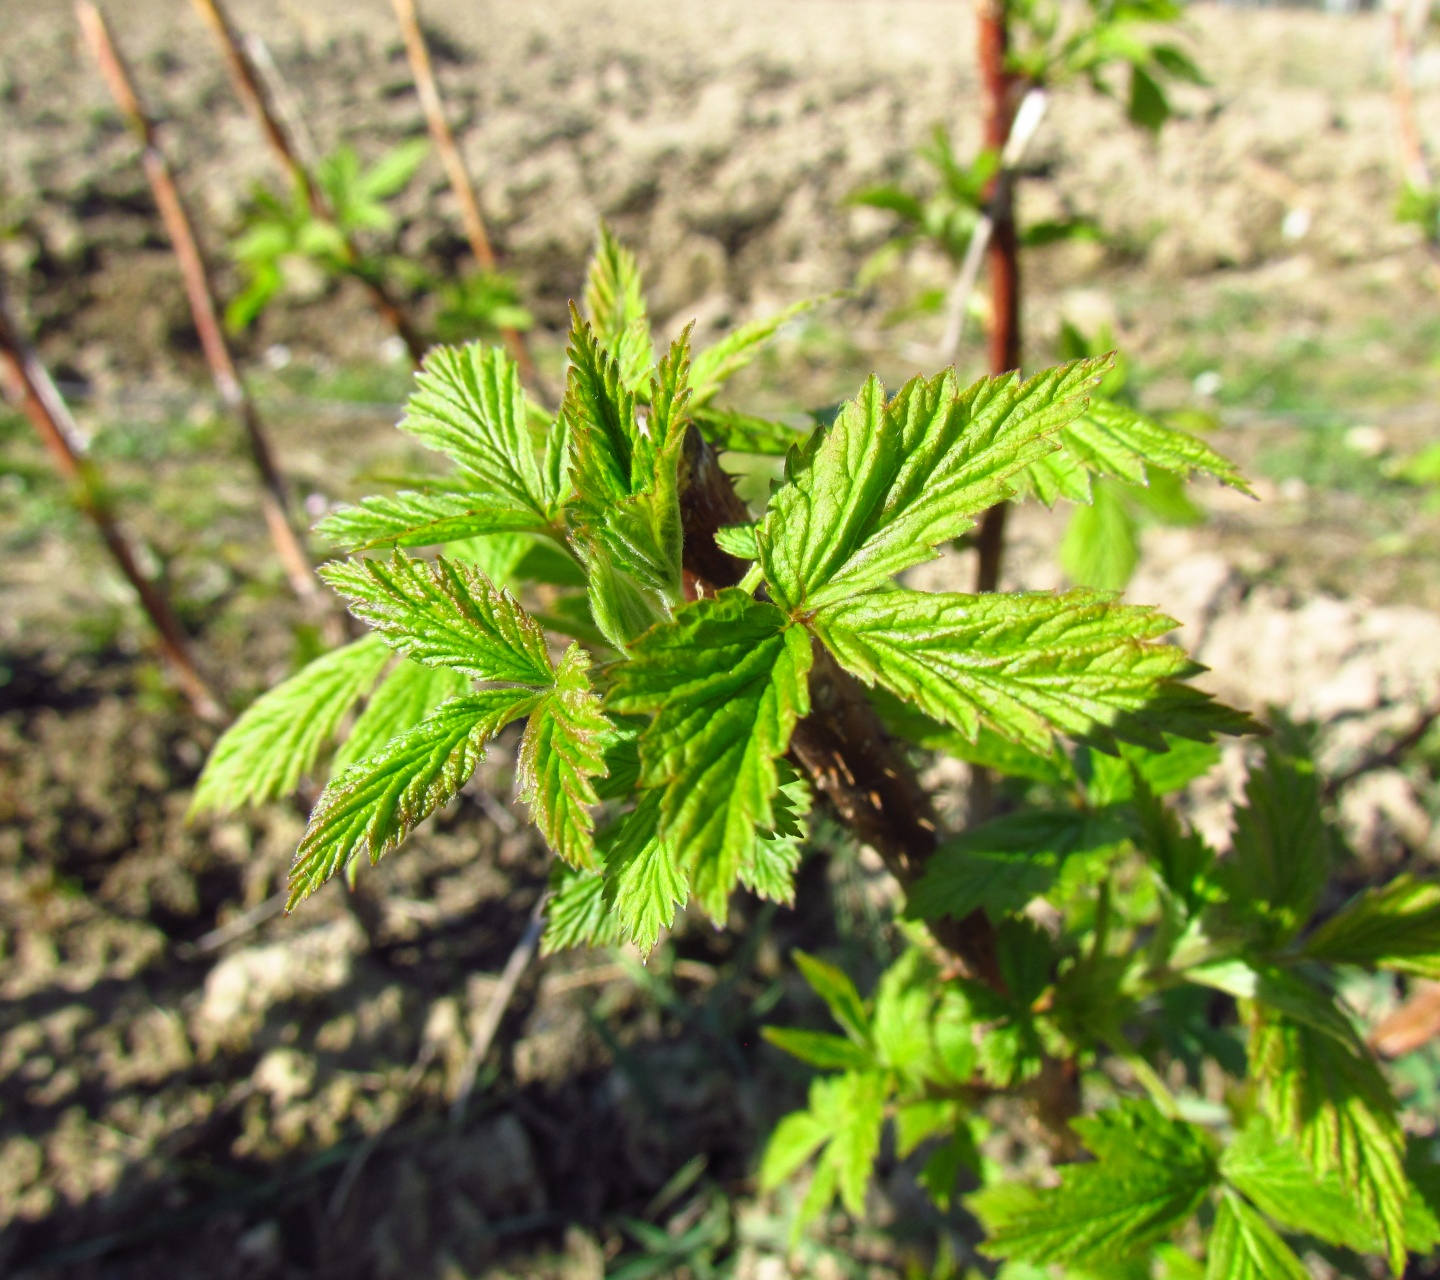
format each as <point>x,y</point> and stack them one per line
<point>1394,927</point>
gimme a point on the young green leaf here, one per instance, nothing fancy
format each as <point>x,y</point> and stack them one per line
<point>1026,665</point>
<point>374,804</point>
<point>1334,1101</point>
<point>1112,439</point>
<point>615,305</point>
<point>577,915</point>
<point>445,614</point>
<point>560,755</point>
<point>405,697</point>
<point>1274,1175</point>
<point>469,405</point>
<point>1101,546</point>
<point>769,864</point>
<point>1146,1183</point>
<point>833,986</point>
<point>820,1049</point>
<point>886,483</point>
<point>1244,1247</point>
<point>1001,865</point>
<point>1395,927</point>
<point>726,683</point>
<point>643,883</point>
<point>266,752</point>
<point>411,519</point>
<point>1280,853</point>
<point>745,433</point>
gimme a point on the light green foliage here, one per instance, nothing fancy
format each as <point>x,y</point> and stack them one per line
<point>445,613</point>
<point>1150,1175</point>
<point>717,364</point>
<point>280,737</point>
<point>374,804</point>
<point>279,230</point>
<point>890,481</point>
<point>1244,1247</point>
<point>1331,1097</point>
<point>615,304</point>
<point>725,681</point>
<point>408,694</point>
<point>1396,927</point>
<point>562,751</point>
<point>478,305</point>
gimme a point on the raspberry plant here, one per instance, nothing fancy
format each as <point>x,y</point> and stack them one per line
<point>700,677</point>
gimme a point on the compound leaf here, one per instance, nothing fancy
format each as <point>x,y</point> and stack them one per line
<point>1243,1246</point>
<point>445,614</point>
<point>374,804</point>
<point>469,405</point>
<point>278,739</point>
<point>1028,665</point>
<point>887,482</point>
<point>725,682</point>
<point>405,697</point>
<point>562,751</point>
<point>1395,927</point>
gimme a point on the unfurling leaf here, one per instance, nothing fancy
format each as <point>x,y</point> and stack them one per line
<point>266,752</point>
<point>615,305</point>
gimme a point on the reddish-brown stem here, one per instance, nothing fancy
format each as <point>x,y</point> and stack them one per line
<point>999,86</point>
<point>434,107</point>
<point>274,496</point>
<point>257,102</point>
<point>30,387</point>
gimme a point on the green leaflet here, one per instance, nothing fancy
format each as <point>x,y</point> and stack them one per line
<point>1151,1175</point>
<point>1271,1171</point>
<point>1334,1101</point>
<point>468,404</point>
<point>1027,665</point>
<point>833,985</point>
<point>1113,779</point>
<point>820,1049</point>
<point>725,682</point>
<point>745,433</point>
<point>266,752</point>
<point>643,884</point>
<point>560,754</point>
<point>886,483</point>
<point>615,305</point>
<point>1182,859</point>
<point>445,614</point>
<point>1282,990</point>
<point>1243,1246</point>
<point>1111,439</point>
<point>844,1117</point>
<point>411,519</point>
<point>577,915</point>
<point>406,696</point>
<point>374,804</point>
<point>737,540</point>
<point>1280,854</point>
<point>718,363</point>
<point>1000,866</point>
<point>627,509</point>
<point>1101,546</point>
<point>1395,927</point>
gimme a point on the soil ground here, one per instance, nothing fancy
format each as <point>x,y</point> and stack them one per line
<point>276,1102</point>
